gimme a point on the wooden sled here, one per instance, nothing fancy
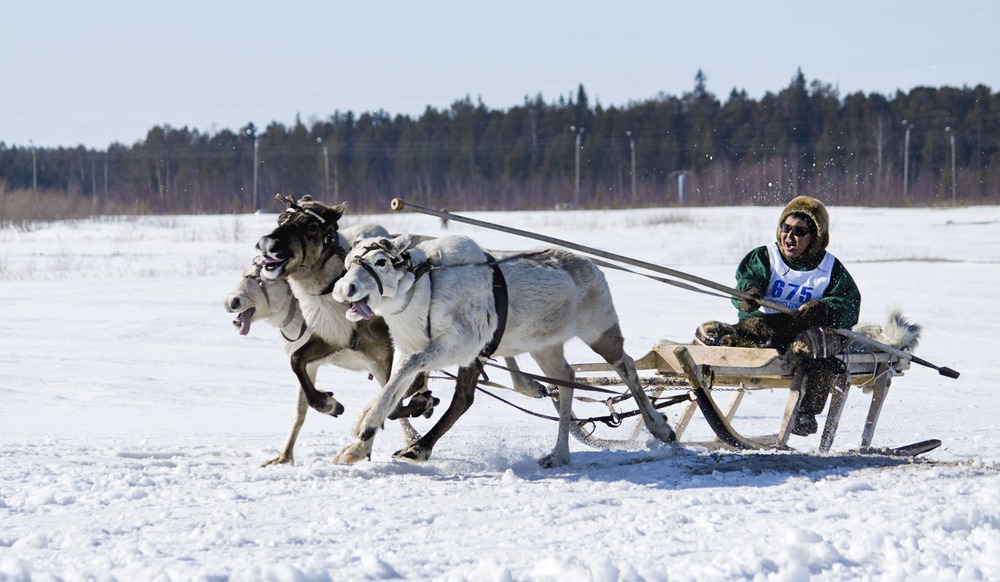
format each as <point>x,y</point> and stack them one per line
<point>702,368</point>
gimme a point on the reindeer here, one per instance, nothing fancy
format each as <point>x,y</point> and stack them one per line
<point>307,250</point>
<point>447,302</point>
<point>271,301</point>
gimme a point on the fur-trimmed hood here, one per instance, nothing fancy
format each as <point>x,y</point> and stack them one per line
<point>816,212</point>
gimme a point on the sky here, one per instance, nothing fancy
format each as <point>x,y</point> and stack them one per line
<point>107,71</point>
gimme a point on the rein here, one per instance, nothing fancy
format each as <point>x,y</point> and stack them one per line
<point>613,419</point>
<point>255,276</point>
<point>331,249</point>
<point>292,308</point>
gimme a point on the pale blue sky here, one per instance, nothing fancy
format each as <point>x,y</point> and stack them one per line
<point>99,72</point>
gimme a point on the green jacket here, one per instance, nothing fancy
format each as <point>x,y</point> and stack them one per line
<point>841,296</point>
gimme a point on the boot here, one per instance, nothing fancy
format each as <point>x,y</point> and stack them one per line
<point>821,376</point>
<point>805,425</point>
<point>711,333</point>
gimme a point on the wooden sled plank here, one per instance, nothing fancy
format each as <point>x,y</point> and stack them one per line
<point>715,417</point>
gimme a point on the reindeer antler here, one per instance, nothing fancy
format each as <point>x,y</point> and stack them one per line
<point>293,205</point>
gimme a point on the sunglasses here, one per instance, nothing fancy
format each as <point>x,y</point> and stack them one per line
<point>797,231</point>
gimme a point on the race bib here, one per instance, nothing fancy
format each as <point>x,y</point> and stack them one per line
<point>792,288</point>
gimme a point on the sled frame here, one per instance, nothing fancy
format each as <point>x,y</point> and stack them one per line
<point>703,368</point>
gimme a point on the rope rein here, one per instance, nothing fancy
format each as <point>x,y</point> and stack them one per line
<point>613,419</point>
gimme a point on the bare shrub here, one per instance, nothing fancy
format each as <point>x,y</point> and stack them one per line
<point>658,219</point>
<point>21,209</point>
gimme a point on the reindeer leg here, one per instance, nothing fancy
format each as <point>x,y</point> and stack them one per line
<point>553,363</point>
<point>301,407</point>
<point>312,351</point>
<point>421,401</point>
<point>522,383</point>
<point>465,392</point>
<point>287,456</point>
<point>611,347</point>
<point>405,369</point>
<point>371,418</point>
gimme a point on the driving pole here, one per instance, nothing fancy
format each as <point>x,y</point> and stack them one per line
<point>399,205</point>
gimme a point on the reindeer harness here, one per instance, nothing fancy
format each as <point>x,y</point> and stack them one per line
<point>404,262</point>
<point>292,304</point>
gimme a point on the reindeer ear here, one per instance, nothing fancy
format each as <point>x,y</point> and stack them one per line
<point>329,214</point>
<point>402,242</point>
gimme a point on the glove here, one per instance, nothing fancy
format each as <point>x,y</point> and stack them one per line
<point>771,330</point>
<point>818,343</point>
<point>812,314</point>
<point>749,305</point>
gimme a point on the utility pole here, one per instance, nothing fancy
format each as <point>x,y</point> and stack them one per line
<point>336,176</point>
<point>256,144</point>
<point>34,169</point>
<point>631,143</point>
<point>579,136</point>
<point>326,169</point>
<point>954,179</point>
<point>878,145</point>
<point>906,161</point>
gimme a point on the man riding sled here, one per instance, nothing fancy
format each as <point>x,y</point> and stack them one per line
<point>796,271</point>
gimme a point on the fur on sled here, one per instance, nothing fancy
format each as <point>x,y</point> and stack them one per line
<point>897,331</point>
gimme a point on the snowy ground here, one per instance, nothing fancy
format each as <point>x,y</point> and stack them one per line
<point>133,422</point>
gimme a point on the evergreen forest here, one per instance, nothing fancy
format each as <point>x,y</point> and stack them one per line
<point>930,146</point>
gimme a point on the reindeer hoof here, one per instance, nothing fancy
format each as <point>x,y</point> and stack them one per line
<point>430,411</point>
<point>658,426</point>
<point>413,454</point>
<point>421,404</point>
<point>279,460</point>
<point>338,408</point>
<point>667,435</point>
<point>552,460</point>
<point>354,453</point>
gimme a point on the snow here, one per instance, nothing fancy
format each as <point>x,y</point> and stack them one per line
<point>134,421</point>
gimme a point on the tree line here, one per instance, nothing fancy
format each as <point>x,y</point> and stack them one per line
<point>925,147</point>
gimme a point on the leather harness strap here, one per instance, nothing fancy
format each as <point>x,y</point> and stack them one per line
<point>500,301</point>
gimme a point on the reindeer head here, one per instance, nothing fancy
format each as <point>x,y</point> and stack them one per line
<point>306,237</point>
<point>256,298</point>
<point>376,269</point>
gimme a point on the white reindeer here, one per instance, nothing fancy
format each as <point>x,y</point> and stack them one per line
<point>271,301</point>
<point>437,297</point>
